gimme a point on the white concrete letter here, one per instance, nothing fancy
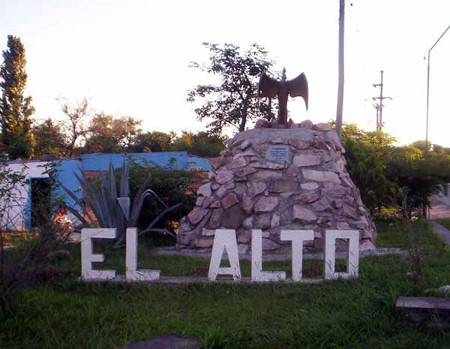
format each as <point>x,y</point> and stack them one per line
<point>330,253</point>
<point>224,240</point>
<point>87,257</point>
<point>257,264</point>
<point>297,237</point>
<point>131,258</point>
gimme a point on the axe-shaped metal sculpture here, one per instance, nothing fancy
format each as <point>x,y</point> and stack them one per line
<point>269,87</point>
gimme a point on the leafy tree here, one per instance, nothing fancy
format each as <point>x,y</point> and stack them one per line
<point>367,168</point>
<point>392,176</point>
<point>422,145</point>
<point>200,144</point>
<point>15,109</point>
<point>233,102</point>
<point>152,142</point>
<point>419,179</point>
<point>111,135</point>
<point>50,138</point>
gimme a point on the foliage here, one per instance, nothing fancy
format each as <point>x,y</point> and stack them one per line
<point>20,266</point>
<point>233,101</point>
<point>175,186</point>
<point>365,154</point>
<point>152,142</point>
<point>111,135</point>
<point>50,139</point>
<point>419,178</point>
<point>199,144</point>
<point>112,207</point>
<point>15,109</point>
<point>387,175</point>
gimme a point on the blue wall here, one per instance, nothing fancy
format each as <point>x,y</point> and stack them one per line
<point>100,162</point>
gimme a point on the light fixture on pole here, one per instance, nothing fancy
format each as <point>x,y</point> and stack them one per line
<point>428,87</point>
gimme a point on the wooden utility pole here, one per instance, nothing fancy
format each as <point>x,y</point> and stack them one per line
<point>340,101</point>
<point>379,107</point>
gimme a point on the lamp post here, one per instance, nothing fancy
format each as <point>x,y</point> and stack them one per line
<point>428,87</point>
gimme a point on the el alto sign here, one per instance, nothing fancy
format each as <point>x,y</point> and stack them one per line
<point>225,240</point>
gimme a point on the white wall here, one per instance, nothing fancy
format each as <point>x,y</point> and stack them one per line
<point>14,214</point>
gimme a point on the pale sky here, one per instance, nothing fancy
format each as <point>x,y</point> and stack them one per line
<point>131,57</point>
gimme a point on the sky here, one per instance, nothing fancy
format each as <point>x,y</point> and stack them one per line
<point>132,57</point>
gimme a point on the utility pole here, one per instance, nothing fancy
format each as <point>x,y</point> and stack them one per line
<point>340,99</point>
<point>379,106</point>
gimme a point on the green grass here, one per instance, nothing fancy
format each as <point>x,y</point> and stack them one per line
<point>391,233</point>
<point>445,222</point>
<point>64,313</point>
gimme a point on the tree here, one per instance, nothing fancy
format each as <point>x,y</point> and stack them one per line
<point>365,154</point>
<point>111,135</point>
<point>75,128</point>
<point>152,142</point>
<point>200,144</point>
<point>49,138</point>
<point>233,102</point>
<point>15,109</point>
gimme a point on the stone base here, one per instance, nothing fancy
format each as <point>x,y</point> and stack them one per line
<point>278,179</point>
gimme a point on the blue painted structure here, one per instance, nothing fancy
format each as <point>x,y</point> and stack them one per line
<point>100,162</point>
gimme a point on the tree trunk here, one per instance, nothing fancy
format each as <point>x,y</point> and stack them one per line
<point>243,117</point>
<point>340,101</point>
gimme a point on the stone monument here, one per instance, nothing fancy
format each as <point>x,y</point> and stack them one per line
<point>277,179</point>
<point>278,176</point>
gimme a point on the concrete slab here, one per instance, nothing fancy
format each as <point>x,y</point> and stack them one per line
<point>430,309</point>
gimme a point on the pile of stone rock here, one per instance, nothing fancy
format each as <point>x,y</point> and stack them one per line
<point>275,179</point>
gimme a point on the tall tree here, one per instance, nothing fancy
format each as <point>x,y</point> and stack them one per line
<point>15,109</point>
<point>233,102</point>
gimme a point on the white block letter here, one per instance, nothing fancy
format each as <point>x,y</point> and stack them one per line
<point>257,273</point>
<point>131,258</point>
<point>297,237</point>
<point>87,257</point>
<point>224,240</point>
<point>330,253</point>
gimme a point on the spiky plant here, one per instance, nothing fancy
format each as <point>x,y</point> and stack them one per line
<point>111,210</point>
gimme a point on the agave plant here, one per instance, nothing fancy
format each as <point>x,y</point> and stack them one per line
<point>111,208</point>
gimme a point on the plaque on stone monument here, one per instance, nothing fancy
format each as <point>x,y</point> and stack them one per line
<point>278,153</point>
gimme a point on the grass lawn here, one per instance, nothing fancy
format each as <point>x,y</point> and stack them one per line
<point>360,313</point>
<point>445,222</point>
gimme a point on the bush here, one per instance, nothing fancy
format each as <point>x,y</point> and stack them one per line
<point>172,185</point>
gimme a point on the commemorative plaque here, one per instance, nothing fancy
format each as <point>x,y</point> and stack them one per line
<point>278,153</point>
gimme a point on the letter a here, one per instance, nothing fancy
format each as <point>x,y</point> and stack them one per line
<point>224,240</point>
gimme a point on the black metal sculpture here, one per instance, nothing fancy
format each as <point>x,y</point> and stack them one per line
<point>269,87</point>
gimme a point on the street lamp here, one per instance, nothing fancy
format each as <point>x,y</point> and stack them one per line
<point>428,87</point>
